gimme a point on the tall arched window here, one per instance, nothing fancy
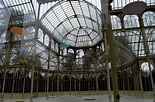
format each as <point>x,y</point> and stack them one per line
<point>145,74</point>
<point>46,40</point>
<point>52,44</point>
<point>40,35</point>
<point>116,23</point>
<point>145,68</point>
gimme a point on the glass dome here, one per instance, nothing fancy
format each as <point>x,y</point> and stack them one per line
<point>67,49</point>
<point>75,23</point>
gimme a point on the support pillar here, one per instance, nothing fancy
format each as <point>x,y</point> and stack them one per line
<point>106,21</point>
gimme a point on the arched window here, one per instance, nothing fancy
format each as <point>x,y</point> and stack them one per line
<point>116,23</point>
<point>40,35</point>
<point>84,83</point>
<point>145,68</point>
<point>102,82</point>
<point>46,40</point>
<point>52,44</point>
<point>149,18</point>
<point>56,47</point>
<point>131,21</point>
<point>66,83</point>
<point>145,74</point>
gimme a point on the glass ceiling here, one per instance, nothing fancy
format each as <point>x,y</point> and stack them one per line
<point>22,11</point>
<point>75,23</point>
<point>78,24</point>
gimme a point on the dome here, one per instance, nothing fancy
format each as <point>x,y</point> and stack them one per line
<point>75,23</point>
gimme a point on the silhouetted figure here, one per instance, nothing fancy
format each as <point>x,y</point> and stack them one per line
<point>153,75</point>
<point>1,89</point>
<point>118,96</point>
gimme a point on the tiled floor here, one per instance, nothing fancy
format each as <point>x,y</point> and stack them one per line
<point>68,98</point>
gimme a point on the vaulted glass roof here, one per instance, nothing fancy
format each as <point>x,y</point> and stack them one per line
<point>75,23</point>
<point>78,24</point>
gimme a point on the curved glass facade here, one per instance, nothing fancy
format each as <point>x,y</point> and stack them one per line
<point>37,59</point>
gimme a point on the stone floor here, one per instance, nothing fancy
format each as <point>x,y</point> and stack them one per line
<point>80,98</point>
